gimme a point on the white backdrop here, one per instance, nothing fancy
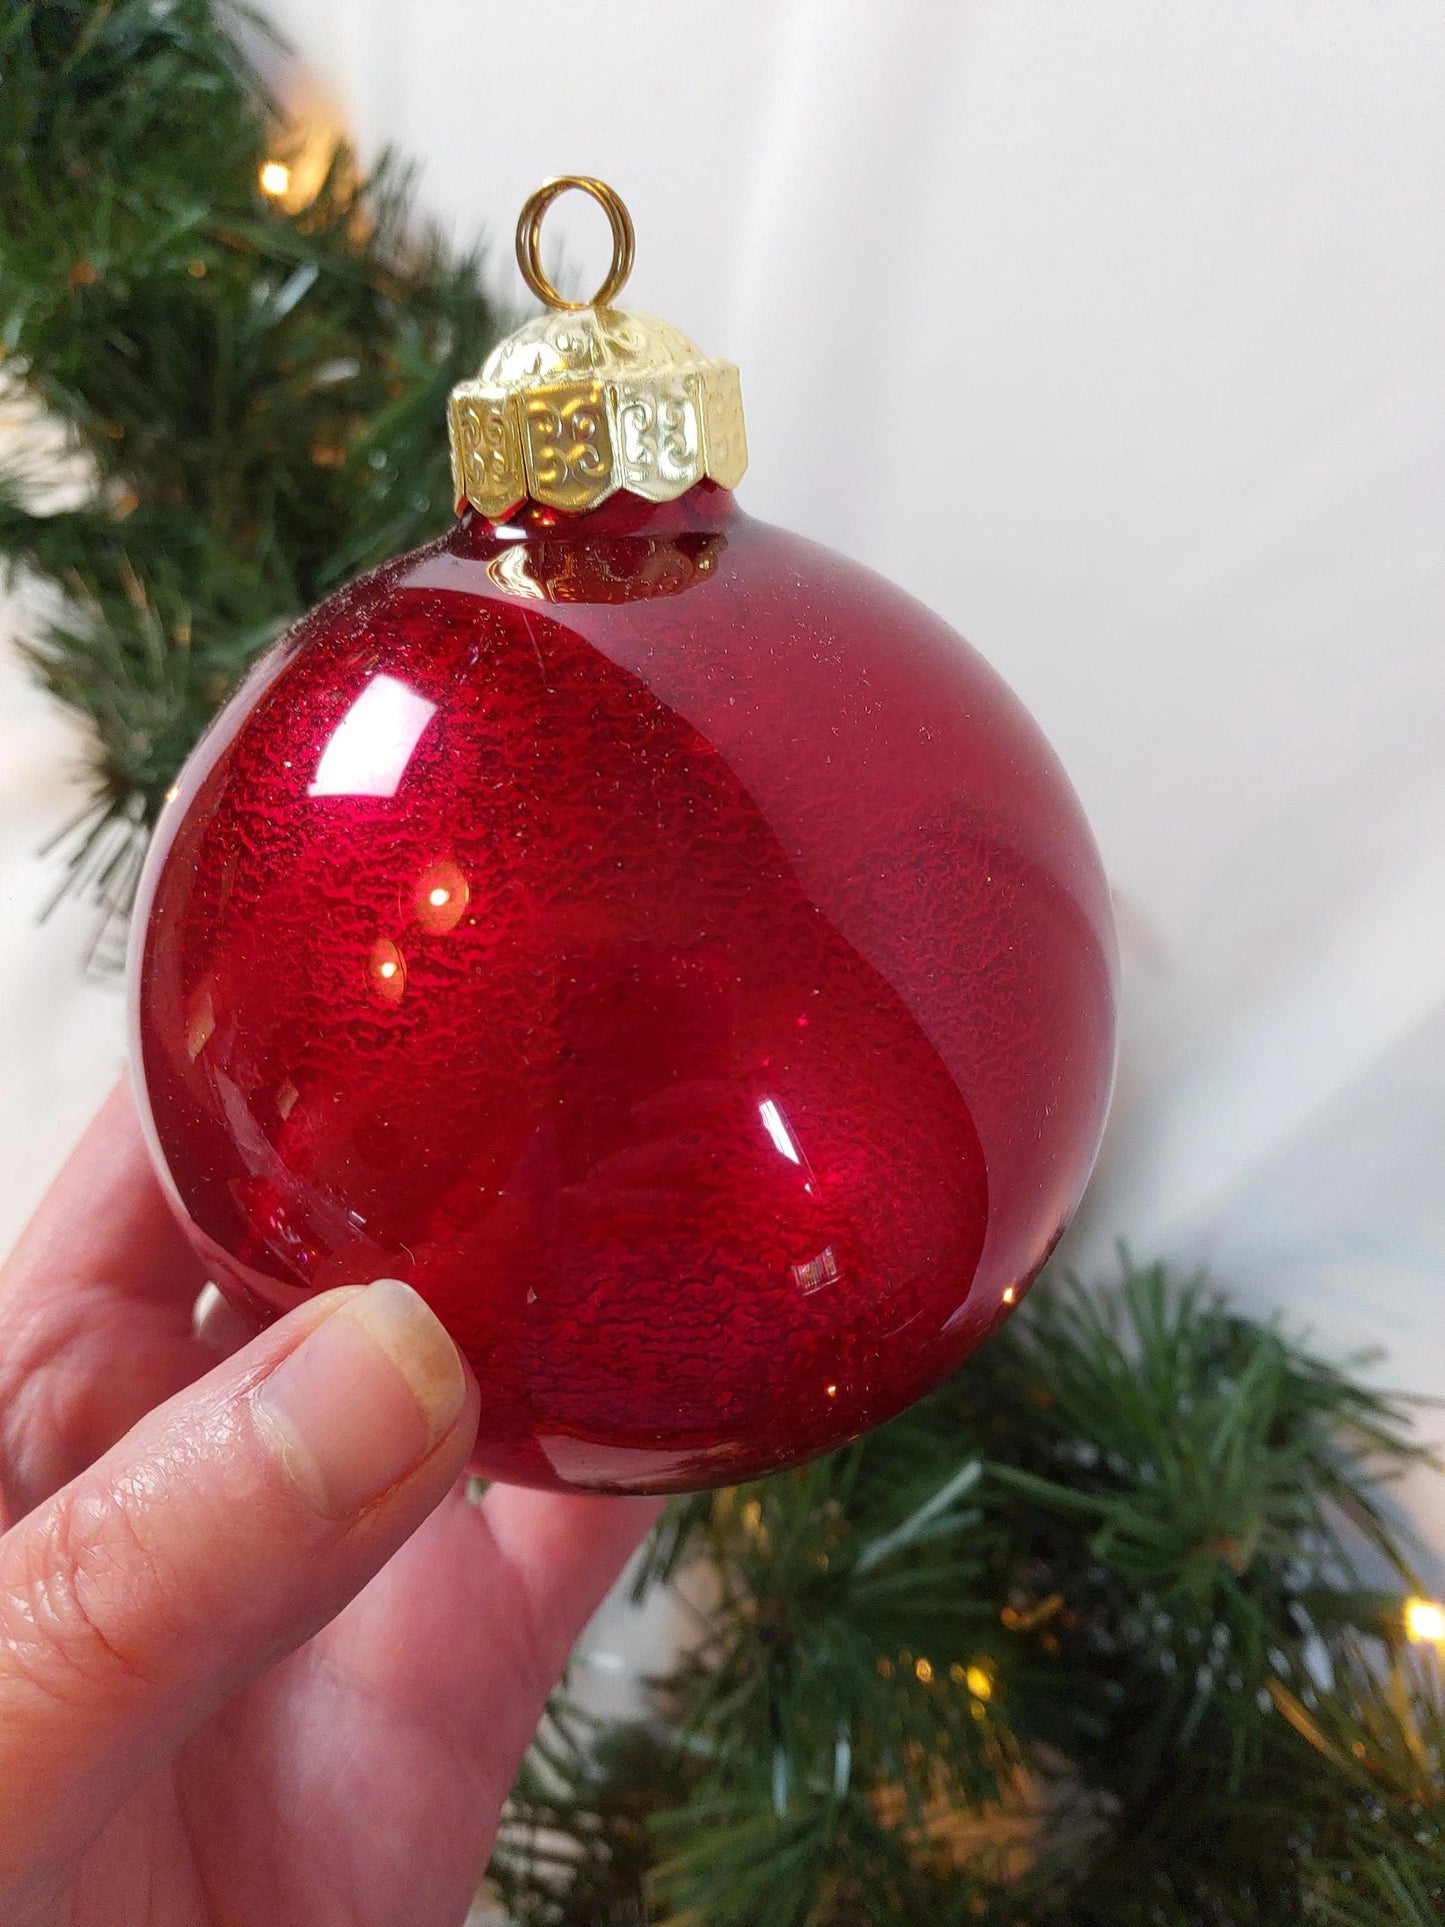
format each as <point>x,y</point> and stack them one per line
<point>1115,333</point>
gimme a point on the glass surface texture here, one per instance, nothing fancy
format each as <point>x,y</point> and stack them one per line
<point>661,942</point>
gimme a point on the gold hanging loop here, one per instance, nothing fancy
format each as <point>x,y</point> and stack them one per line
<point>529,235</point>
<point>574,406</point>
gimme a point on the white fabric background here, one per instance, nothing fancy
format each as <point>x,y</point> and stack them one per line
<point>1115,333</point>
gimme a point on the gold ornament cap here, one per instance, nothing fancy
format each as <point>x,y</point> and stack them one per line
<point>586,399</point>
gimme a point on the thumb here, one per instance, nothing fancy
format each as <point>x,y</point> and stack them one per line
<point>221,1532</point>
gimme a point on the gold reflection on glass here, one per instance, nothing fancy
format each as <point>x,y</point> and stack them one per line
<point>512,571</point>
<point>924,1670</point>
<point>623,569</point>
<point>200,1019</point>
<point>1009,1294</point>
<point>441,898</point>
<point>816,1272</point>
<point>386,968</point>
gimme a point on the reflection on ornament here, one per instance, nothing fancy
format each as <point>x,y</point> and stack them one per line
<point>778,1131</point>
<point>200,1020</point>
<point>819,1271</point>
<point>368,753</point>
<point>441,897</point>
<point>387,969</point>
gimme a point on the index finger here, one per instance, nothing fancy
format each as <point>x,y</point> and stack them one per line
<point>95,1310</point>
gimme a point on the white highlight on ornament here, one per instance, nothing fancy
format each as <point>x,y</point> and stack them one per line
<point>778,1131</point>
<point>374,742</point>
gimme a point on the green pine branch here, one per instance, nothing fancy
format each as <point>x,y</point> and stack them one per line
<point>1049,1648</point>
<point>256,394</point>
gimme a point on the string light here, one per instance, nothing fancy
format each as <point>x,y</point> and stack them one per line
<point>275,179</point>
<point>978,1682</point>
<point>1425,1621</point>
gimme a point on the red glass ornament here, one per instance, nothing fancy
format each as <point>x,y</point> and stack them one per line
<point>662,943</point>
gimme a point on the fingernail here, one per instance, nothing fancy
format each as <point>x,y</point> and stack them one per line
<point>363,1398</point>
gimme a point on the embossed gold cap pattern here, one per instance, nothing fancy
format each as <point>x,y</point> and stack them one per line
<point>586,399</point>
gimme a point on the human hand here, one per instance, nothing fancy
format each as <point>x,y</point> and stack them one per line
<point>261,1660</point>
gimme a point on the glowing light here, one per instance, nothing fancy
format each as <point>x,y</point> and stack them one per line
<point>374,742</point>
<point>924,1671</point>
<point>440,897</point>
<point>778,1131</point>
<point>978,1683</point>
<point>832,1391</point>
<point>1425,1621</point>
<point>275,179</point>
<point>1009,1294</point>
<point>387,969</point>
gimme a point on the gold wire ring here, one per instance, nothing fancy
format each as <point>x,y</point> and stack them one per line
<point>529,234</point>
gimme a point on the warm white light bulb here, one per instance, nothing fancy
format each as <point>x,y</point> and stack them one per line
<point>275,179</point>
<point>1425,1621</point>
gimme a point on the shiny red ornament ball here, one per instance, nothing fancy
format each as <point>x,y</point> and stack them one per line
<point>663,944</point>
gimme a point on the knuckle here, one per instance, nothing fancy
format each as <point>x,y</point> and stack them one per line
<point>82,1597</point>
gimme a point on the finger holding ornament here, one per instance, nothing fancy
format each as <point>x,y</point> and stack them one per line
<point>95,1310</point>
